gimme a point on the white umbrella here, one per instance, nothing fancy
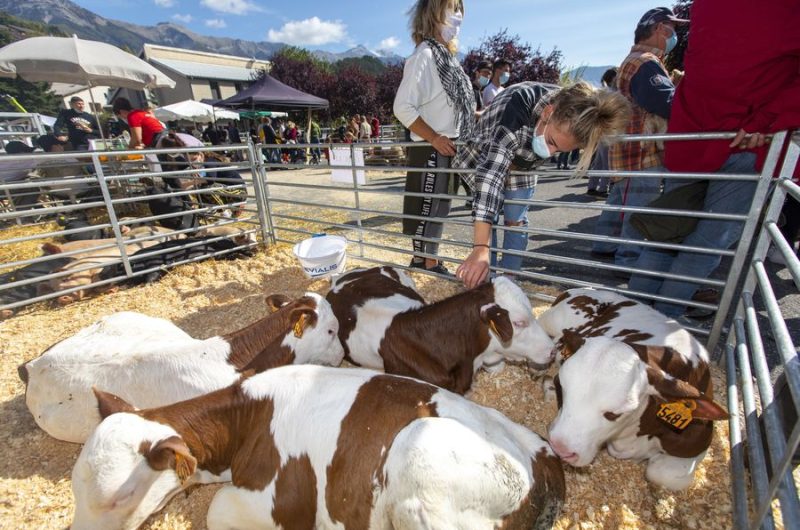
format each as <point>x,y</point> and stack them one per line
<point>193,111</point>
<point>73,60</point>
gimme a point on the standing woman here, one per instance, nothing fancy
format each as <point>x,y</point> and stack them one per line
<point>435,102</point>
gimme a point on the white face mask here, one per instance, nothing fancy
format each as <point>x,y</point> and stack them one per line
<point>452,26</point>
<point>539,145</point>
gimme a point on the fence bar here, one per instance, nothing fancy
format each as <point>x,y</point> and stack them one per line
<point>112,214</point>
<point>738,480</point>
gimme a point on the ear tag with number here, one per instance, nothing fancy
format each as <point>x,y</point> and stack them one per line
<point>299,325</point>
<point>677,413</point>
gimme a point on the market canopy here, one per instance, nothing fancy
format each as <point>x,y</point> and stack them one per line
<point>269,92</point>
<point>193,111</point>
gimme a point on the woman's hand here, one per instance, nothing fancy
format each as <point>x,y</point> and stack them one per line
<point>444,145</point>
<point>744,140</point>
<point>475,269</point>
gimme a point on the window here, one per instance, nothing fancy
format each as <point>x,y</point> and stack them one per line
<point>215,93</point>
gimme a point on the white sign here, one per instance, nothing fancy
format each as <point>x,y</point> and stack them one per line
<point>341,165</point>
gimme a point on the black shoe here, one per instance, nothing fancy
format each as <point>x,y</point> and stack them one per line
<point>439,268</point>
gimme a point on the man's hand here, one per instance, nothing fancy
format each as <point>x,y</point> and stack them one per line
<point>475,269</point>
<point>444,145</point>
<point>61,138</point>
<point>744,140</point>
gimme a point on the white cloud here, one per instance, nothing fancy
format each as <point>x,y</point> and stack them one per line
<point>311,32</point>
<point>217,23</point>
<point>389,43</point>
<point>183,18</point>
<point>233,7</point>
<point>164,3</point>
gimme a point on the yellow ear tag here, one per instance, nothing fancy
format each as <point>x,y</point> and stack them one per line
<point>182,467</point>
<point>493,327</point>
<point>678,413</point>
<point>299,325</point>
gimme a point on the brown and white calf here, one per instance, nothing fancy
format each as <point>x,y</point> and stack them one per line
<point>307,447</point>
<point>385,324</point>
<point>151,362</point>
<point>632,380</point>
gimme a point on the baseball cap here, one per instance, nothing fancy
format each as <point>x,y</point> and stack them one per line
<point>75,99</point>
<point>660,14</point>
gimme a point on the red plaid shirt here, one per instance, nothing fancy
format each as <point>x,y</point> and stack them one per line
<point>635,156</point>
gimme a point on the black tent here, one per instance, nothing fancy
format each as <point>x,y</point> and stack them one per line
<point>271,93</point>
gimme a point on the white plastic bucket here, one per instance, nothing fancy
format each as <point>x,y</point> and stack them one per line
<point>322,255</point>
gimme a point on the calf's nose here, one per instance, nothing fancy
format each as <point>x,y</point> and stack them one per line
<point>562,450</point>
<point>22,370</point>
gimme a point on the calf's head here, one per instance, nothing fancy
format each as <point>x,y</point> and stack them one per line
<point>129,468</point>
<point>604,387</point>
<point>515,333</point>
<point>314,334</point>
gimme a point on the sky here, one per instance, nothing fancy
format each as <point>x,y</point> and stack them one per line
<point>588,32</point>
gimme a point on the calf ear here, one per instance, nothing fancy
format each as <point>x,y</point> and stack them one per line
<point>671,389</point>
<point>303,318</point>
<point>277,301</point>
<point>498,321</point>
<point>108,403</point>
<point>171,453</point>
<point>571,342</point>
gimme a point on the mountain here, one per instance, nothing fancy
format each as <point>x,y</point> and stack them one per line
<point>73,19</point>
<point>591,74</point>
<point>358,52</point>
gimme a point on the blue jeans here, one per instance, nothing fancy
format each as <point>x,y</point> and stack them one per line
<point>636,192</point>
<point>722,197</point>
<point>610,223</point>
<point>517,214</point>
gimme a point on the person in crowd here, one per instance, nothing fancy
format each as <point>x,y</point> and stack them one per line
<point>291,138</point>
<point>642,79</point>
<point>267,135</point>
<point>364,130</point>
<point>375,125</point>
<point>315,138</point>
<point>749,84</point>
<point>145,129</point>
<point>599,186</point>
<point>234,136</point>
<point>211,135</point>
<point>480,80</point>
<point>521,130</point>
<point>435,102</point>
<point>80,125</point>
<point>501,73</point>
<point>197,132</point>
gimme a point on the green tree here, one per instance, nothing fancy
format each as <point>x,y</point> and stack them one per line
<point>35,97</point>
<point>675,58</point>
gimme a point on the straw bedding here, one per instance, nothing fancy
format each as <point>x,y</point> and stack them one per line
<point>219,296</point>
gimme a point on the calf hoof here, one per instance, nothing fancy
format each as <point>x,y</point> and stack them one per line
<point>673,473</point>
<point>6,313</point>
<point>22,370</point>
<point>549,389</point>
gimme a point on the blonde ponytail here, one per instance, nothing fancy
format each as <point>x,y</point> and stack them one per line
<point>591,115</point>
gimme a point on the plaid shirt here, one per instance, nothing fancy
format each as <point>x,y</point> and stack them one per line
<point>635,156</point>
<point>502,141</point>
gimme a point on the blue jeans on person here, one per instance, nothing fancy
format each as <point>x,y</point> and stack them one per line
<point>635,192</point>
<point>610,222</point>
<point>516,214</point>
<point>723,196</point>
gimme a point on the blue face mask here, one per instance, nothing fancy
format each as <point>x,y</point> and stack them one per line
<point>672,41</point>
<point>504,77</point>
<point>539,145</point>
<point>483,81</point>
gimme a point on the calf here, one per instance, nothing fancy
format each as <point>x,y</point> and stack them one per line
<point>385,324</point>
<point>633,380</point>
<point>151,362</point>
<point>30,290</point>
<point>595,312</point>
<point>309,447</point>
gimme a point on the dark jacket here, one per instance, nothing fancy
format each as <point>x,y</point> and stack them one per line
<point>72,120</point>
